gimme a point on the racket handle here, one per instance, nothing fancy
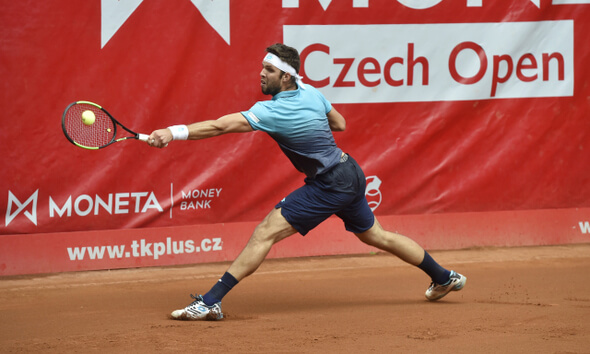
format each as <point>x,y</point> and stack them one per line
<point>142,137</point>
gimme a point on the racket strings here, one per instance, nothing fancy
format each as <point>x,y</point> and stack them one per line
<point>97,134</point>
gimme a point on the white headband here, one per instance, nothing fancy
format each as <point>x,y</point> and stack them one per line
<point>281,65</point>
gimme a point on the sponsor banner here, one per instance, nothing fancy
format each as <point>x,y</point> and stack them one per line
<point>561,2</point>
<point>437,62</point>
<point>452,108</point>
<point>112,249</point>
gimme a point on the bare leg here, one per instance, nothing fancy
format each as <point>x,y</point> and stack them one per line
<point>271,230</point>
<point>401,246</point>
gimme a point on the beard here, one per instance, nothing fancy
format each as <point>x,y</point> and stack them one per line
<point>271,88</point>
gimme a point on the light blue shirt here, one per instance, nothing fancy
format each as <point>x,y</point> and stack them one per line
<point>297,121</point>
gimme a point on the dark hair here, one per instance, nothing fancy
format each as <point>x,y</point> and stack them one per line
<point>287,54</point>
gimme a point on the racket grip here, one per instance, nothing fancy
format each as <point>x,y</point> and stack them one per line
<point>143,137</point>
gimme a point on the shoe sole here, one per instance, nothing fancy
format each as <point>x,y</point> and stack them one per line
<point>181,315</point>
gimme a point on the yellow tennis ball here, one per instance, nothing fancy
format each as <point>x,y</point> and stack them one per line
<point>88,117</point>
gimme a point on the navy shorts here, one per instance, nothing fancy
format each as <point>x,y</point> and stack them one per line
<point>339,191</point>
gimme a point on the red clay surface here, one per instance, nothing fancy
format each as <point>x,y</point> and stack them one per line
<point>517,300</point>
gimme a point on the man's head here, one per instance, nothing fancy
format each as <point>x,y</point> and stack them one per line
<point>287,54</point>
<point>279,69</point>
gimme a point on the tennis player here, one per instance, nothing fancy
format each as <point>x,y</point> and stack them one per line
<point>301,121</point>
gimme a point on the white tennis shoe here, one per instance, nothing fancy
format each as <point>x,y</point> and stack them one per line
<point>437,291</point>
<point>199,311</point>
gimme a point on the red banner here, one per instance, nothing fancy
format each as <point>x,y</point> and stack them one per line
<point>457,111</point>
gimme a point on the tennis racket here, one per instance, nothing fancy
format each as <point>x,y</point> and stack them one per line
<point>89,126</point>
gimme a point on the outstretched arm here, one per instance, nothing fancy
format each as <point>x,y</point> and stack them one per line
<point>231,123</point>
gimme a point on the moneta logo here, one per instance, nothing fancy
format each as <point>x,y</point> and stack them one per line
<point>14,202</point>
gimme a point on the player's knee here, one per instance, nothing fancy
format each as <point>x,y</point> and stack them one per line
<point>367,237</point>
<point>269,230</point>
<point>374,236</point>
<point>262,233</point>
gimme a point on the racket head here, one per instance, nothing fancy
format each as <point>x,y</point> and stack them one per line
<point>94,136</point>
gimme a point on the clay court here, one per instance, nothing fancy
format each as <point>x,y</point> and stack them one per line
<point>517,300</point>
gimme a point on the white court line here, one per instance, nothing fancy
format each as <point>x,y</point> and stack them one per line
<point>380,261</point>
